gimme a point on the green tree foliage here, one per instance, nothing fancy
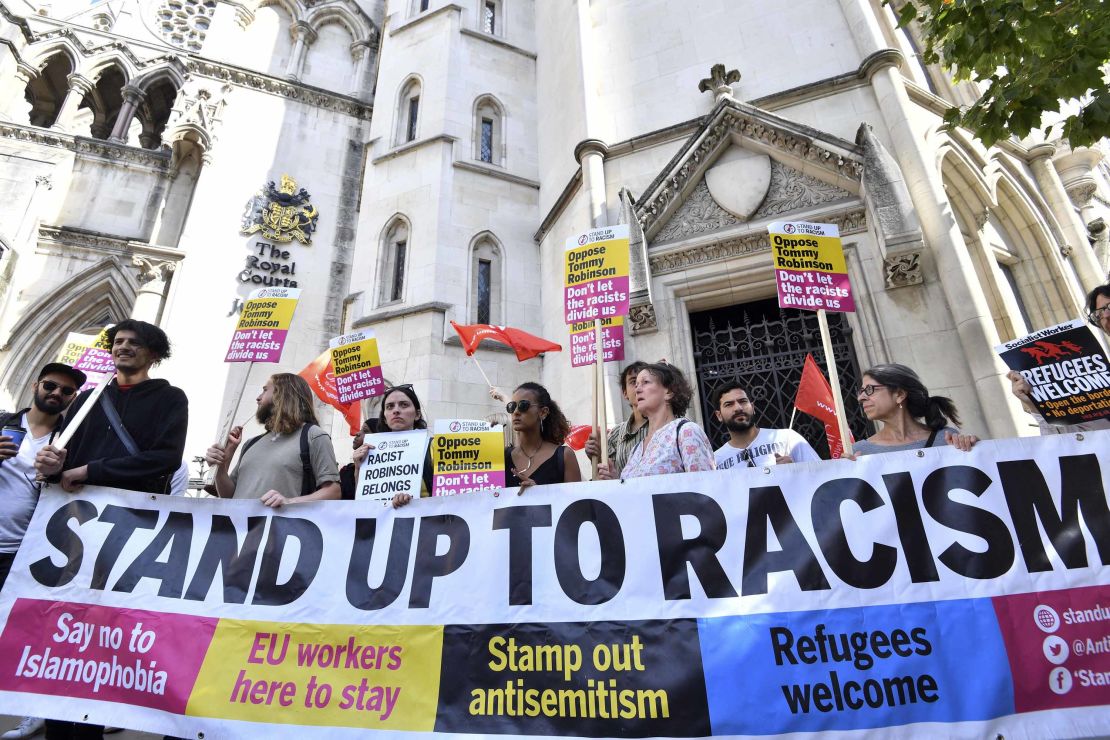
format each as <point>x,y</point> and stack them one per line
<point>1027,56</point>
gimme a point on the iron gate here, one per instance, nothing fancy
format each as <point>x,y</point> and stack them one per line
<point>764,347</point>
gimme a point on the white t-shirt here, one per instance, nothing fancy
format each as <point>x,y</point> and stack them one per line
<point>763,449</point>
<point>19,493</point>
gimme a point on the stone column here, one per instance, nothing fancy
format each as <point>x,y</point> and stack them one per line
<point>132,99</point>
<point>360,52</point>
<point>591,156</point>
<point>1078,248</point>
<point>79,87</point>
<point>955,269</point>
<point>153,277</point>
<point>16,108</point>
<point>303,36</point>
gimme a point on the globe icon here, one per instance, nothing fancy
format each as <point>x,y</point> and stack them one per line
<point>1046,618</point>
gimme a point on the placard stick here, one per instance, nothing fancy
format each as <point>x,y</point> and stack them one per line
<point>229,418</point>
<point>792,415</point>
<point>602,433</point>
<point>79,418</point>
<point>834,381</point>
<point>597,430</point>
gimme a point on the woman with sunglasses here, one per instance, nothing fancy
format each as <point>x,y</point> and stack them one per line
<point>539,456</point>
<point>912,419</point>
<point>401,412</point>
<point>673,444</point>
<point>1098,314</point>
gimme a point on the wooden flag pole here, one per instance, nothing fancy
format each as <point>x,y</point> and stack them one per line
<point>229,418</point>
<point>834,381</point>
<point>483,372</point>
<point>599,396</point>
<point>792,415</point>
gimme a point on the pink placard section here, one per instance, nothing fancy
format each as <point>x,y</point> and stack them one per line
<point>360,384</point>
<point>451,484</point>
<point>1058,644</point>
<point>99,652</point>
<point>814,290</point>
<point>583,346</point>
<point>596,299</point>
<point>256,345</point>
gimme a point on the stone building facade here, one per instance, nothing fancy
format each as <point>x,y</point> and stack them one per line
<point>451,148</point>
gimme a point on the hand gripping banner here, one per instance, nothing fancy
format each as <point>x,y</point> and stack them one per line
<point>903,595</point>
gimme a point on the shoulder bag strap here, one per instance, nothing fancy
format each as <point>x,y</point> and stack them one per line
<point>308,476</point>
<point>932,438</point>
<point>117,424</point>
<point>678,442</point>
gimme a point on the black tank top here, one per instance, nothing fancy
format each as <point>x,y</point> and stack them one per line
<point>551,470</point>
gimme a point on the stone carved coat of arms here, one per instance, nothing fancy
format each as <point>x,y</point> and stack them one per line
<point>281,214</point>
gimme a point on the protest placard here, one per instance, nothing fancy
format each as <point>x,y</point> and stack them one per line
<point>358,369</point>
<point>1067,370</point>
<point>957,594</point>
<point>467,456</point>
<point>394,464</point>
<point>596,274</point>
<point>263,323</point>
<point>88,353</point>
<point>810,271</point>
<point>583,342</point>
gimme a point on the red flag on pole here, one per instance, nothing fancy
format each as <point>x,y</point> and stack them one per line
<point>524,344</point>
<point>320,375</point>
<point>815,397</point>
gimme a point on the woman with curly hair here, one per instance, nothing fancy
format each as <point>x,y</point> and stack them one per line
<point>673,444</point>
<point>539,456</point>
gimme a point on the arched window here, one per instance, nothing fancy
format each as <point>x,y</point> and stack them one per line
<point>328,63</point>
<point>489,126</point>
<point>154,113</point>
<point>491,17</point>
<point>485,280</point>
<point>408,112</point>
<point>267,43</point>
<point>394,258</point>
<point>99,109</point>
<point>46,92</point>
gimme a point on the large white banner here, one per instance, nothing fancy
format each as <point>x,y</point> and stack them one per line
<point>903,595</point>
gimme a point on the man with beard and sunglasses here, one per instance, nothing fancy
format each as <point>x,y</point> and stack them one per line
<point>53,392</point>
<point>292,463</point>
<point>748,445</point>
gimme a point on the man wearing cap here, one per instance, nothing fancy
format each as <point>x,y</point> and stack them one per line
<point>52,393</point>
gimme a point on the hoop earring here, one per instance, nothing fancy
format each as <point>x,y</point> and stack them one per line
<point>541,425</point>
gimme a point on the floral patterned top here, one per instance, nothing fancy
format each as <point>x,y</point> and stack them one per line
<point>690,452</point>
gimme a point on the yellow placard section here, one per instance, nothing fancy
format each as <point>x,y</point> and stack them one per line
<point>75,346</point>
<point>376,677</point>
<point>808,252</point>
<point>351,358</point>
<point>597,261</point>
<point>267,313</point>
<point>468,452</point>
<point>581,327</point>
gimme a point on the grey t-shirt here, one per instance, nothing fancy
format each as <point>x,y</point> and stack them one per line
<point>866,447</point>
<point>274,462</point>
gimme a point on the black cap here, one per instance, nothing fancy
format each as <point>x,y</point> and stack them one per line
<point>74,374</point>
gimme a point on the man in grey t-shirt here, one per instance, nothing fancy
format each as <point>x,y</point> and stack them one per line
<point>271,467</point>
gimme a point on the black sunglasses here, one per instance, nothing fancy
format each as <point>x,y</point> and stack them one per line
<point>50,386</point>
<point>523,405</point>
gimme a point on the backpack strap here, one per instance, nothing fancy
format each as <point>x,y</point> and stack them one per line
<point>249,444</point>
<point>308,476</point>
<point>932,437</point>
<point>677,445</point>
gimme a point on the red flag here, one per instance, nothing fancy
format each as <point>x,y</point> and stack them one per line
<point>815,397</point>
<point>321,378</point>
<point>524,344</point>
<point>576,440</point>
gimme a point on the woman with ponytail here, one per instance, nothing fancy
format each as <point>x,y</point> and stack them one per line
<point>912,419</point>
<point>539,456</point>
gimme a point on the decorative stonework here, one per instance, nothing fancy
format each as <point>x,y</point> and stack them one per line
<point>125,154</point>
<point>184,23</point>
<point>281,88</point>
<point>792,190</point>
<point>664,195</point>
<point>642,318</point>
<point>849,222</point>
<point>699,214</point>
<point>1082,191</point>
<point>151,269</point>
<point>720,81</point>
<point>903,269</point>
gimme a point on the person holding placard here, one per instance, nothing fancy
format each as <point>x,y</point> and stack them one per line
<point>673,444</point>
<point>624,437</point>
<point>401,412</point>
<point>292,463</point>
<point>539,456</point>
<point>1098,314</point>
<point>912,419</point>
